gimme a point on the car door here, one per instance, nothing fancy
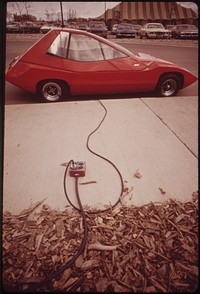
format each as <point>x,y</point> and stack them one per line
<point>91,73</point>
<point>132,75</point>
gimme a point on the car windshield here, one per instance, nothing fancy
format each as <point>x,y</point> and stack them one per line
<point>187,27</point>
<point>125,26</point>
<point>82,26</point>
<point>155,26</point>
<point>13,23</point>
<point>96,25</point>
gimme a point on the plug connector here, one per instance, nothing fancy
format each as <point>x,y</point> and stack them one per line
<point>77,169</point>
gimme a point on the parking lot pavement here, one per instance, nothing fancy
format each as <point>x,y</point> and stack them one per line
<point>160,42</point>
<point>146,137</point>
<point>137,40</point>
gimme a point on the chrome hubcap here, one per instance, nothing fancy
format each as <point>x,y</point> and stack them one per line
<point>51,91</point>
<point>169,87</point>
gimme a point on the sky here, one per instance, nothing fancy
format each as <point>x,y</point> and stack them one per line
<point>82,9</point>
<point>79,9</point>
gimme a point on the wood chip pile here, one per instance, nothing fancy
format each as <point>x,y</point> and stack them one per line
<point>153,248</point>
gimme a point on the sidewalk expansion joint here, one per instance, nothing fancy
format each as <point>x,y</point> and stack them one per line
<point>160,118</point>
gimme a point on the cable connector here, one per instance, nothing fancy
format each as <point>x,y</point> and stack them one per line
<point>77,169</point>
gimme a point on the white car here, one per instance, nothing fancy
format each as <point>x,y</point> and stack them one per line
<point>114,29</point>
<point>46,28</point>
<point>154,30</point>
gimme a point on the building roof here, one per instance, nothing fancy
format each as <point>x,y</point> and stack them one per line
<point>149,11</point>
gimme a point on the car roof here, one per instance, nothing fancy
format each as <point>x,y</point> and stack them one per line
<point>70,30</point>
<point>153,23</point>
<point>186,24</point>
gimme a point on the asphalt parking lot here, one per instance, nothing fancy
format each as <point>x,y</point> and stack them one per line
<point>171,42</point>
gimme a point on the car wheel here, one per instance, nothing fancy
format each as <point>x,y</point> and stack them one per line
<point>52,91</point>
<point>168,85</point>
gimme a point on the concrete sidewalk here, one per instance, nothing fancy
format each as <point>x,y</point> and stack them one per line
<point>156,136</point>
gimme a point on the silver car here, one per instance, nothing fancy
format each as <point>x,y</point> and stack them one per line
<point>154,31</point>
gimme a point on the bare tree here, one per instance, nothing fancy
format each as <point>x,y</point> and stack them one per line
<point>27,7</point>
<point>52,14</point>
<point>171,7</point>
<point>47,14</point>
<point>19,7</point>
<point>117,15</point>
<point>9,15</point>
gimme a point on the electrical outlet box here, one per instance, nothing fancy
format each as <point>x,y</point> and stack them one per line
<point>77,169</point>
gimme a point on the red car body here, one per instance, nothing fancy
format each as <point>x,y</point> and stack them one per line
<point>120,72</point>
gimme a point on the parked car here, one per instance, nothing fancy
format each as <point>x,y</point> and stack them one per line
<point>137,28</point>
<point>154,30</point>
<point>82,26</point>
<point>185,31</point>
<point>46,28</point>
<point>114,29</point>
<point>13,27</point>
<point>71,25</point>
<point>30,27</point>
<point>169,27</point>
<point>99,28</point>
<point>125,30</point>
<point>68,62</point>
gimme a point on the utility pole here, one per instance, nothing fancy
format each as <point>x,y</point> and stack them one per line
<point>105,12</point>
<point>62,25</point>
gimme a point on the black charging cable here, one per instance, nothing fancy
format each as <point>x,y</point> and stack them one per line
<point>34,286</point>
<point>102,157</point>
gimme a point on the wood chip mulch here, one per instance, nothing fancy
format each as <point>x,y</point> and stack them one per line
<point>153,248</point>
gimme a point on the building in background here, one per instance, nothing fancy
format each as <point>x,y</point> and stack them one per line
<point>167,13</point>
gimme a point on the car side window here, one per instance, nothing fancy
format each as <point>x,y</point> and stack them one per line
<point>84,48</point>
<point>59,45</point>
<point>111,53</point>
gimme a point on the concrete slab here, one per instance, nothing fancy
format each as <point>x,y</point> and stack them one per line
<point>39,137</point>
<point>180,114</point>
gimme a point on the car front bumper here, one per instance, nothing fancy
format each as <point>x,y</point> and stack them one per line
<point>188,35</point>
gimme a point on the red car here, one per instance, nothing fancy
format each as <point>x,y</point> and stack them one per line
<point>68,62</point>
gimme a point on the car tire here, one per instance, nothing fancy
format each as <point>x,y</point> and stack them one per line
<point>168,85</point>
<point>52,91</point>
